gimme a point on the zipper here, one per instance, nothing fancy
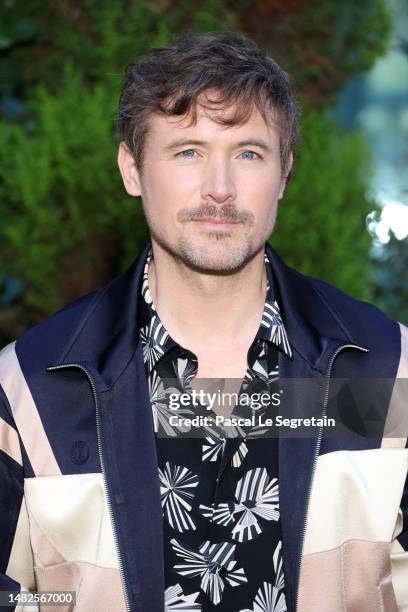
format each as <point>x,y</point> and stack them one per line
<point>316,454</point>
<point>104,473</point>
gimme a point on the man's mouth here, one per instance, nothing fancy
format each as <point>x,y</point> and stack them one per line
<point>219,224</point>
<point>217,221</point>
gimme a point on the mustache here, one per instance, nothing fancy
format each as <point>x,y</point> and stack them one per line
<point>226,212</point>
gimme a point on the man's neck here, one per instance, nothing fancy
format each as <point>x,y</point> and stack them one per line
<point>200,309</point>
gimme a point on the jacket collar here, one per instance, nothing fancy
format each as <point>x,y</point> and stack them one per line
<point>313,325</point>
<point>108,333</point>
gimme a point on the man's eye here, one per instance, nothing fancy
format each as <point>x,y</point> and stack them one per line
<point>187,154</point>
<point>250,155</point>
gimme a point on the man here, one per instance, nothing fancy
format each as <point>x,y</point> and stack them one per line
<point>103,492</point>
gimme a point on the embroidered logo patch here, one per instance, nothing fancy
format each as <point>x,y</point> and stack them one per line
<point>79,452</point>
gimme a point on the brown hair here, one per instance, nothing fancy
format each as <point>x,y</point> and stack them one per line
<point>170,80</point>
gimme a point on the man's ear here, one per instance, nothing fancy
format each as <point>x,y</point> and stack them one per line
<point>286,175</point>
<point>128,170</point>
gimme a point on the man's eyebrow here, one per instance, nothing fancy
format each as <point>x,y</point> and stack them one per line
<point>175,144</point>
<point>253,142</point>
<point>180,142</point>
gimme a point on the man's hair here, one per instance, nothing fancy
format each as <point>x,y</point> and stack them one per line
<point>216,71</point>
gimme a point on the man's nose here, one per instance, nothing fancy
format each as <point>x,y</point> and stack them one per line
<point>218,184</point>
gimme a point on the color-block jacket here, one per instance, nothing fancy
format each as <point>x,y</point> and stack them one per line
<point>79,492</point>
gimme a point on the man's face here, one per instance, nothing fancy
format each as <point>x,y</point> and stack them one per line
<point>210,192</point>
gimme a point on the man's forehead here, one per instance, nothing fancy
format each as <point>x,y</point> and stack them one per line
<point>212,123</point>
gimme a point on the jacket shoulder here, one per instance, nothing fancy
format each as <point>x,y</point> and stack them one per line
<point>365,321</point>
<point>347,305</point>
<point>329,311</point>
<point>85,329</point>
<point>48,340</point>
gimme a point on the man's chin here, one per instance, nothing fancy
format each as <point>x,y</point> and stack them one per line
<point>216,258</point>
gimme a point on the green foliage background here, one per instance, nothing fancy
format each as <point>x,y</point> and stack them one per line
<point>67,225</point>
<point>321,220</point>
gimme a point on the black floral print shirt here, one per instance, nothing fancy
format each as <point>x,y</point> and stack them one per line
<point>220,491</point>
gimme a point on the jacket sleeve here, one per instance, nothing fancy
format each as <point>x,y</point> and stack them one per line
<point>399,547</point>
<point>399,555</point>
<point>16,559</point>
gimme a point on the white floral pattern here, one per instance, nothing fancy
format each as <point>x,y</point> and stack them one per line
<point>176,489</point>
<point>207,563</point>
<point>153,337</point>
<point>256,498</point>
<point>175,600</point>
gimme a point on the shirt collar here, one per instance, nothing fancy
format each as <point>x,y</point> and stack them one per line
<point>157,342</point>
<point>272,327</point>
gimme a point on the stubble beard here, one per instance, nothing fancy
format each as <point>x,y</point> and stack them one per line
<point>215,251</point>
<point>217,255</point>
<point>212,252</point>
